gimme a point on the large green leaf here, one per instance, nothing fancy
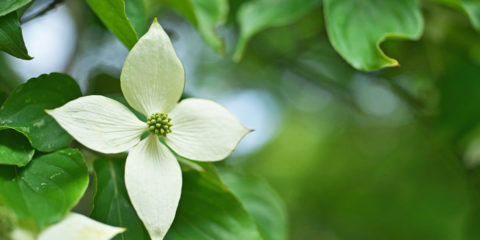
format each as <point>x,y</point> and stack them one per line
<point>113,15</point>
<point>8,6</point>
<point>46,189</point>
<point>24,110</point>
<point>205,15</point>
<point>261,201</point>
<point>208,210</point>
<point>258,15</point>
<point>111,202</point>
<point>11,39</point>
<point>356,28</point>
<point>14,148</point>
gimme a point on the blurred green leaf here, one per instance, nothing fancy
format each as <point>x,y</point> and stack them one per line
<point>14,148</point>
<point>472,7</point>
<point>208,210</point>
<point>111,202</point>
<point>24,110</point>
<point>46,189</point>
<point>114,16</point>
<point>8,6</point>
<point>205,15</point>
<point>11,39</point>
<point>261,201</point>
<point>356,28</point>
<point>258,15</point>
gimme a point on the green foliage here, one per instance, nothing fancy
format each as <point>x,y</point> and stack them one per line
<point>114,16</point>
<point>208,210</point>
<point>356,28</point>
<point>258,15</point>
<point>205,15</point>
<point>111,202</point>
<point>219,216</point>
<point>11,39</point>
<point>472,7</point>
<point>46,189</point>
<point>8,6</point>
<point>14,148</point>
<point>261,201</point>
<point>24,110</point>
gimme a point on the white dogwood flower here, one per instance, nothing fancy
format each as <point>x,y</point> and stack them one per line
<point>152,81</point>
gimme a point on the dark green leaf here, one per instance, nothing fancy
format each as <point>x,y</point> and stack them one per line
<point>205,15</point>
<point>261,201</point>
<point>207,210</point>
<point>356,28</point>
<point>24,110</point>
<point>111,202</point>
<point>259,15</point>
<point>46,189</point>
<point>3,97</point>
<point>113,15</point>
<point>14,148</point>
<point>11,39</point>
<point>8,6</point>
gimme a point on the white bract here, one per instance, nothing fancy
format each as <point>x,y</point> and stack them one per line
<point>74,227</point>
<point>152,82</point>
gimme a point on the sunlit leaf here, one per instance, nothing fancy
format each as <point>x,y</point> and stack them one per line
<point>208,210</point>
<point>14,148</point>
<point>205,15</point>
<point>46,189</point>
<point>111,202</point>
<point>11,39</point>
<point>356,28</point>
<point>258,15</point>
<point>114,16</point>
<point>8,6</point>
<point>24,110</point>
<point>261,201</point>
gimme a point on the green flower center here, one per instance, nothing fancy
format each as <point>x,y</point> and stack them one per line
<point>159,124</point>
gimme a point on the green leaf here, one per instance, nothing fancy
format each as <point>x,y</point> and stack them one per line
<point>113,15</point>
<point>356,28</point>
<point>208,210</point>
<point>111,202</point>
<point>205,15</point>
<point>472,7</point>
<point>11,39</point>
<point>261,201</point>
<point>258,15</point>
<point>24,110</point>
<point>8,6</point>
<point>14,148</point>
<point>137,15</point>
<point>46,189</point>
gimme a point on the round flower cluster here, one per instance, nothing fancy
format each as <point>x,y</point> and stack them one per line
<point>159,124</point>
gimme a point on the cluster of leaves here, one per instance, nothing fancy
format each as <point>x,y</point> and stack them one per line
<point>41,179</point>
<point>347,22</point>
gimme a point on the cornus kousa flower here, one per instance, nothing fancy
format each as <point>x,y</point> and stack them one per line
<point>152,81</point>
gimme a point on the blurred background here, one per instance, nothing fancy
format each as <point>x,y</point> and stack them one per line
<point>388,154</point>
